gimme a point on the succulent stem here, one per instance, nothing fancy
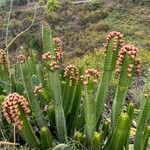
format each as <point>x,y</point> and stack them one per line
<point>119,137</point>
<point>142,122</point>
<point>46,139</point>
<point>126,65</point>
<point>90,117</point>
<point>27,131</point>
<point>97,141</point>
<point>113,43</point>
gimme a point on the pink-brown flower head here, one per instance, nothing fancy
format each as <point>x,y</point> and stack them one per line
<point>11,108</point>
<point>90,74</point>
<point>46,56</point>
<point>138,66</point>
<point>2,56</point>
<point>54,65</point>
<point>38,89</point>
<point>71,71</point>
<point>58,49</point>
<point>118,40</point>
<point>131,51</point>
<point>21,58</point>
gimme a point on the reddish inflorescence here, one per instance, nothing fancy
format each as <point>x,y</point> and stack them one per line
<point>11,106</point>
<point>58,49</point>
<point>90,74</point>
<point>118,40</point>
<point>54,60</point>
<point>2,56</point>
<point>38,89</point>
<point>131,51</point>
<point>54,65</point>
<point>46,56</point>
<point>71,71</point>
<point>21,58</point>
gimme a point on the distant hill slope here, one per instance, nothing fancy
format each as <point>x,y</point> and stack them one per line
<point>82,27</point>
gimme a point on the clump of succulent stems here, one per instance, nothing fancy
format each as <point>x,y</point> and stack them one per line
<point>68,104</point>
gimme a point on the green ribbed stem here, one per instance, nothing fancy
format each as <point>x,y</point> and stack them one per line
<point>68,97</point>
<point>55,85</point>
<point>109,65</point>
<point>48,45</point>
<point>27,131</point>
<point>97,141</point>
<point>46,138</point>
<point>130,112</point>
<point>90,116</point>
<point>120,135</point>
<point>145,139</point>
<point>120,95</point>
<point>71,124</point>
<point>57,103</point>
<point>142,122</point>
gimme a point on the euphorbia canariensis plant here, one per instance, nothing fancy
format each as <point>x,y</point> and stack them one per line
<point>66,104</point>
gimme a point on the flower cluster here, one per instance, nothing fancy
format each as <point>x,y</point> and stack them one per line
<point>59,48</point>
<point>11,108</point>
<point>2,56</point>
<point>90,73</point>
<point>71,71</point>
<point>131,51</point>
<point>54,60</point>
<point>21,58</point>
<point>118,40</point>
<point>38,89</point>
<point>138,66</point>
<point>54,65</point>
<point>46,56</point>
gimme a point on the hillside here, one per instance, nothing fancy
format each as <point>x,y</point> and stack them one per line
<point>82,27</point>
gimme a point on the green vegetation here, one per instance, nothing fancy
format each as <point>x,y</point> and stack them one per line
<point>62,108</point>
<point>82,27</point>
<point>99,101</point>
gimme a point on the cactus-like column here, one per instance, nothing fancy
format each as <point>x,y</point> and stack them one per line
<point>145,138</point>
<point>52,58</point>
<point>15,108</point>
<point>46,138</point>
<point>90,78</point>
<point>130,112</point>
<point>97,141</point>
<point>128,63</point>
<point>120,134</point>
<point>142,122</point>
<point>114,42</point>
<point>71,75</point>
